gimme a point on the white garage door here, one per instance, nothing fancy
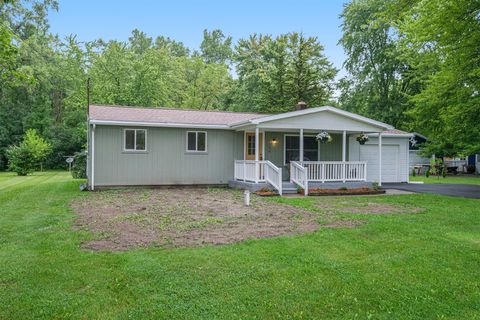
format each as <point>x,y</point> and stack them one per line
<point>390,167</point>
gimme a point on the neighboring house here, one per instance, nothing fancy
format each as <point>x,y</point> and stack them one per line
<point>416,159</point>
<point>141,146</point>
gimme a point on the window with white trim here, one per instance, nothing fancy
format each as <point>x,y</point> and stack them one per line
<point>196,141</point>
<point>135,140</point>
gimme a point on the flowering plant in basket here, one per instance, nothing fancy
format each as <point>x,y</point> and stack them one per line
<point>362,138</point>
<point>323,137</point>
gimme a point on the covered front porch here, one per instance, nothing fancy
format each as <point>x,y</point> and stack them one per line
<point>285,154</point>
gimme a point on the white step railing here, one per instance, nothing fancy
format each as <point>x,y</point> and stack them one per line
<point>299,175</point>
<point>258,171</point>
<point>327,171</point>
<point>273,175</point>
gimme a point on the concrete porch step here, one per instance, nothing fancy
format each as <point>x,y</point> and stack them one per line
<point>289,191</point>
<point>286,185</point>
<point>289,187</point>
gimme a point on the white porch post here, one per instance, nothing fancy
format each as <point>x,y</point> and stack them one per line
<point>379,158</point>
<point>301,145</point>
<point>408,162</point>
<point>244,155</point>
<point>257,153</point>
<point>344,154</point>
<point>245,145</point>
<point>263,144</point>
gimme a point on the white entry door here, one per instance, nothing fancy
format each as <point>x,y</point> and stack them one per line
<point>390,162</point>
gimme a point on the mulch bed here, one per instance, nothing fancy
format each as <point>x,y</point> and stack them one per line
<point>342,192</point>
<point>266,193</point>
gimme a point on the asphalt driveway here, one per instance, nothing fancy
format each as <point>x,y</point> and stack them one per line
<point>456,190</point>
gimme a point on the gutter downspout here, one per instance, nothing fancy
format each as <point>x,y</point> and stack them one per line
<point>92,187</point>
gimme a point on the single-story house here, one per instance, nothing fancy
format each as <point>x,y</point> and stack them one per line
<point>130,146</point>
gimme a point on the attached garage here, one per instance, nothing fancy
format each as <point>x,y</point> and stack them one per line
<point>390,167</point>
<point>394,156</point>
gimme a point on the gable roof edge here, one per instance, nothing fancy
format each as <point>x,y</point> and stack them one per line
<point>315,110</point>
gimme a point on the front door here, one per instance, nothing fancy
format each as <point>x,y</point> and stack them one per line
<point>250,146</point>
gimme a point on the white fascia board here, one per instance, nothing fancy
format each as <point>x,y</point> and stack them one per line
<point>321,109</point>
<point>392,135</point>
<point>159,124</point>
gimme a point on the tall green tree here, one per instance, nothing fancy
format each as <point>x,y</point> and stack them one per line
<point>441,40</point>
<point>379,80</point>
<point>207,84</point>
<point>309,75</point>
<point>23,55</point>
<point>175,48</point>
<point>275,73</point>
<point>216,47</point>
<point>139,41</point>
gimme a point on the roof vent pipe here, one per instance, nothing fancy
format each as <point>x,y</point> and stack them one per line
<point>301,105</point>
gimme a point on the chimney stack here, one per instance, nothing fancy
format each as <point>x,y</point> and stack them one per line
<point>301,105</point>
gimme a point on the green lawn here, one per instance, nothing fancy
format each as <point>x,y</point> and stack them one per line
<point>403,266</point>
<point>449,179</point>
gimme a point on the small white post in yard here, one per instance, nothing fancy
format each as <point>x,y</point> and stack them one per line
<point>246,197</point>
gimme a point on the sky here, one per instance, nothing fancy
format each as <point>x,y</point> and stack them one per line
<point>185,20</point>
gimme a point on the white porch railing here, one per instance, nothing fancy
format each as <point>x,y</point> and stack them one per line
<point>245,171</point>
<point>259,171</point>
<point>299,175</point>
<point>327,171</point>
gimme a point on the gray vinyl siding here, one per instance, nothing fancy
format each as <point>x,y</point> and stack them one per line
<point>166,161</point>
<point>238,145</point>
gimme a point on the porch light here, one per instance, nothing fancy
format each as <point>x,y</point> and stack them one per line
<point>274,141</point>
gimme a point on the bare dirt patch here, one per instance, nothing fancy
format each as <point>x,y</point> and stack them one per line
<point>180,217</point>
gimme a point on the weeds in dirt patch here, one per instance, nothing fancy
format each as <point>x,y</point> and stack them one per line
<point>180,217</point>
<point>201,224</point>
<point>186,217</point>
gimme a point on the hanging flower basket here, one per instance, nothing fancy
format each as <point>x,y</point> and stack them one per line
<point>362,138</point>
<point>323,137</point>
